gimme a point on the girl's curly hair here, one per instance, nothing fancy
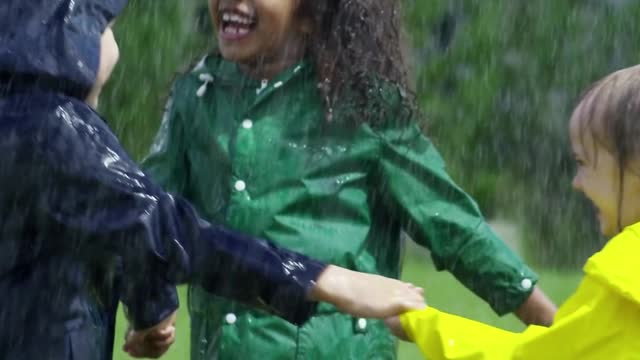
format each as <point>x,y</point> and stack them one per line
<point>356,46</point>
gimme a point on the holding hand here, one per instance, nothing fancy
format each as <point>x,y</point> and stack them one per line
<point>395,326</point>
<point>152,342</point>
<point>366,295</point>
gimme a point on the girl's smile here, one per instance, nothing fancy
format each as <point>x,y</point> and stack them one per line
<point>235,24</point>
<point>264,36</point>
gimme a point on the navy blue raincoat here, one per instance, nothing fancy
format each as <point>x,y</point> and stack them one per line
<point>81,226</point>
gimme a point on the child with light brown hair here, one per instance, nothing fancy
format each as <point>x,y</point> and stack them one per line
<point>601,320</point>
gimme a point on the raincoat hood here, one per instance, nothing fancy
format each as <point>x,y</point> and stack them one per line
<point>617,265</point>
<point>53,44</point>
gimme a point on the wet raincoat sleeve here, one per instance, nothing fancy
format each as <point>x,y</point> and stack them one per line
<point>602,329</point>
<point>149,300</point>
<point>98,193</point>
<point>170,174</point>
<point>600,321</point>
<point>442,217</point>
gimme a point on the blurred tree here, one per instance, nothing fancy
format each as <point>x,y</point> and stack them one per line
<point>157,39</point>
<point>498,80</point>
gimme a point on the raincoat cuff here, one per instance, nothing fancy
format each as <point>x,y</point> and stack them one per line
<point>516,291</point>
<point>149,311</point>
<point>292,302</point>
<point>417,323</point>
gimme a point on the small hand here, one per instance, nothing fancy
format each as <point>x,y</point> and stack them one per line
<point>152,342</point>
<point>394,325</point>
<point>366,295</point>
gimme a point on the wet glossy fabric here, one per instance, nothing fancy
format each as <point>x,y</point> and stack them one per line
<point>54,43</point>
<point>51,45</point>
<point>258,157</point>
<point>73,202</point>
<point>600,321</point>
<point>79,216</point>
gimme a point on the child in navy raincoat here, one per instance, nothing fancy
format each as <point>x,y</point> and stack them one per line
<point>76,212</point>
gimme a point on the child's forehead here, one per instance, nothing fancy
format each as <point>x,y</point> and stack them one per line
<point>587,115</point>
<point>608,117</point>
<point>587,128</point>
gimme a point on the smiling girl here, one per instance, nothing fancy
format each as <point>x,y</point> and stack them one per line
<point>301,128</point>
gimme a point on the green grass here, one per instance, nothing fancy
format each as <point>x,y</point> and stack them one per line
<point>442,291</point>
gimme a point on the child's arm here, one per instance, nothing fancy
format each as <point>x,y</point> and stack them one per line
<point>595,323</point>
<point>158,303</point>
<point>346,288</point>
<point>415,187</point>
<point>537,309</point>
<point>443,336</point>
<point>97,193</point>
<point>153,342</point>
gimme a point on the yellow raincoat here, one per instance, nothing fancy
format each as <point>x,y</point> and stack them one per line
<point>600,321</point>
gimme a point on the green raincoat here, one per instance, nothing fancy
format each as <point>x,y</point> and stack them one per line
<point>259,157</point>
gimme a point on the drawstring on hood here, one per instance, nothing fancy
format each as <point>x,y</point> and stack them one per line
<point>263,85</point>
<point>207,79</point>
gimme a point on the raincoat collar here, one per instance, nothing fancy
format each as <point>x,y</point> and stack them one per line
<point>617,264</point>
<point>213,68</point>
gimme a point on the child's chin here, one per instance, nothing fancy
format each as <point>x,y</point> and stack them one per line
<point>235,55</point>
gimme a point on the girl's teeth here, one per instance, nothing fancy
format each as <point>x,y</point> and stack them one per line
<point>231,17</point>
<point>232,30</point>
